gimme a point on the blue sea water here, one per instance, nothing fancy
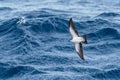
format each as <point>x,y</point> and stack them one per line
<point>39,48</point>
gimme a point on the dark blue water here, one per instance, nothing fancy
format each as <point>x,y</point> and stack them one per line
<point>39,47</point>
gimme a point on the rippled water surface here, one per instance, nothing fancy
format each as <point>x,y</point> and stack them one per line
<point>39,47</point>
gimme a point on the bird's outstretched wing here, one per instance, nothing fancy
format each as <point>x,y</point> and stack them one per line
<point>72,29</point>
<point>79,50</point>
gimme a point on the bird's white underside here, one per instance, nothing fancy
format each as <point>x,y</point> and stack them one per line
<point>77,39</point>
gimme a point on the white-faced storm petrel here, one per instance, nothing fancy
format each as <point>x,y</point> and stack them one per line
<point>77,39</point>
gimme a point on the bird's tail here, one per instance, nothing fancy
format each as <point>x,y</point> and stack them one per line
<point>85,38</point>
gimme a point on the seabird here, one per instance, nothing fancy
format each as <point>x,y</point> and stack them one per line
<point>22,20</point>
<point>77,39</point>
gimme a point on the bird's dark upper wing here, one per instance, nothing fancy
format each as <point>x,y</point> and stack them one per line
<point>72,29</point>
<point>79,50</point>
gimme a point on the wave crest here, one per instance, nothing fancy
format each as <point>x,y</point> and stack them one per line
<point>110,14</point>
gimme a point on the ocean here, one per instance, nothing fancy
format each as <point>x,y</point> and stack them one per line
<point>34,40</point>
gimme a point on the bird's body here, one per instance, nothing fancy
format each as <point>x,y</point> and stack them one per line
<point>76,39</point>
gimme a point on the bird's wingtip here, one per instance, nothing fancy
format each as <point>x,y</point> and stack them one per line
<point>83,59</point>
<point>70,19</point>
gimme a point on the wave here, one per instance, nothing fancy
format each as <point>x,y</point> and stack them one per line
<point>5,9</point>
<point>60,25</point>
<point>50,25</point>
<point>46,22</point>
<point>55,24</point>
<point>111,74</point>
<point>15,38</point>
<point>38,14</point>
<point>105,33</point>
<point>8,26</point>
<point>47,25</point>
<point>14,71</point>
<point>109,14</point>
<point>96,24</point>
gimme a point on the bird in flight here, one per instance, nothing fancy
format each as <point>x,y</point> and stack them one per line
<point>77,39</point>
<point>22,20</point>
